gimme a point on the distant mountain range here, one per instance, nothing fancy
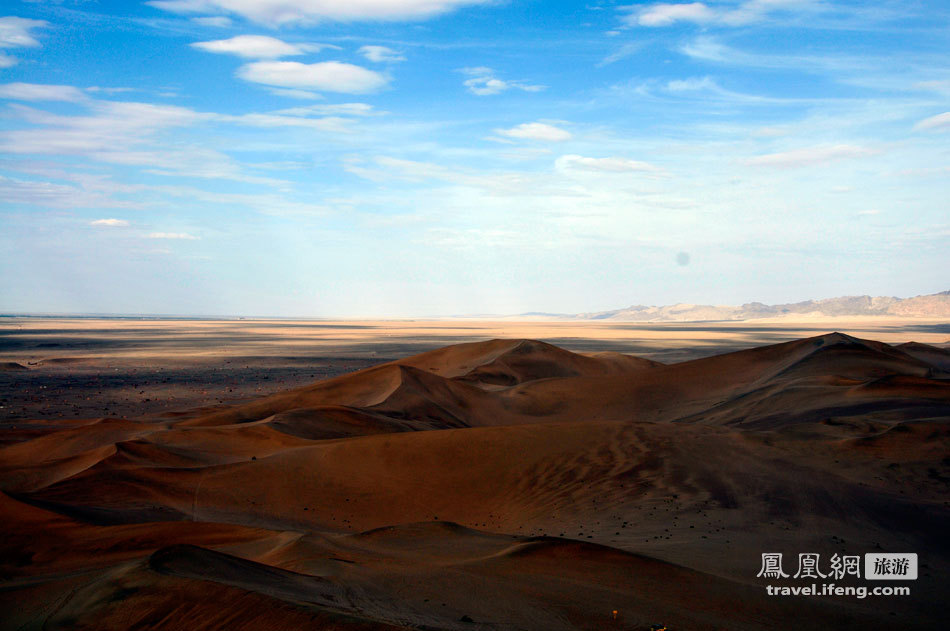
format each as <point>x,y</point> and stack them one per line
<point>932,306</point>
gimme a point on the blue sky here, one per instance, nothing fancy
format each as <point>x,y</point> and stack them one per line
<point>399,158</point>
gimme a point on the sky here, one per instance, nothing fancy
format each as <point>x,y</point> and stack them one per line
<point>412,158</point>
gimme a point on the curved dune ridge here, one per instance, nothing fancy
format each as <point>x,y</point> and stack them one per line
<point>507,484</point>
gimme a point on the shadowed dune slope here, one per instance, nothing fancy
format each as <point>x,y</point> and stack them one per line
<point>933,355</point>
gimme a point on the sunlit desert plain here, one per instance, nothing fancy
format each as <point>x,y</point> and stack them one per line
<point>466,474</point>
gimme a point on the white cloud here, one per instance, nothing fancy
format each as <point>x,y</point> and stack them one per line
<point>667,14</point>
<point>56,195</point>
<point>706,87</point>
<point>811,156</point>
<point>328,123</point>
<point>123,133</point>
<point>41,92</point>
<point>419,170</point>
<point>290,93</point>
<point>483,82</point>
<point>939,122</point>
<point>330,76</point>
<point>692,84</point>
<point>605,165</point>
<point>15,32</point>
<point>105,90</point>
<point>219,21</point>
<point>380,54</point>
<point>111,126</point>
<point>627,50</point>
<point>757,10</point>
<point>276,12</point>
<point>485,86</point>
<point>113,223</point>
<point>750,11</point>
<point>143,135</point>
<point>496,184</point>
<point>937,85</point>
<point>172,235</point>
<point>274,203</point>
<point>536,131</point>
<point>385,167</point>
<point>710,49</point>
<point>257,47</point>
<point>335,109</point>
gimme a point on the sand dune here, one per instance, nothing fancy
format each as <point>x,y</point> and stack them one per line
<point>507,484</point>
<point>457,387</point>
<point>933,355</point>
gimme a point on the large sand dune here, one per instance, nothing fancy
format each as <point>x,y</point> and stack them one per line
<point>507,484</point>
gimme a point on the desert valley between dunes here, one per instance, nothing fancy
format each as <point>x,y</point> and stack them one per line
<point>187,474</point>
